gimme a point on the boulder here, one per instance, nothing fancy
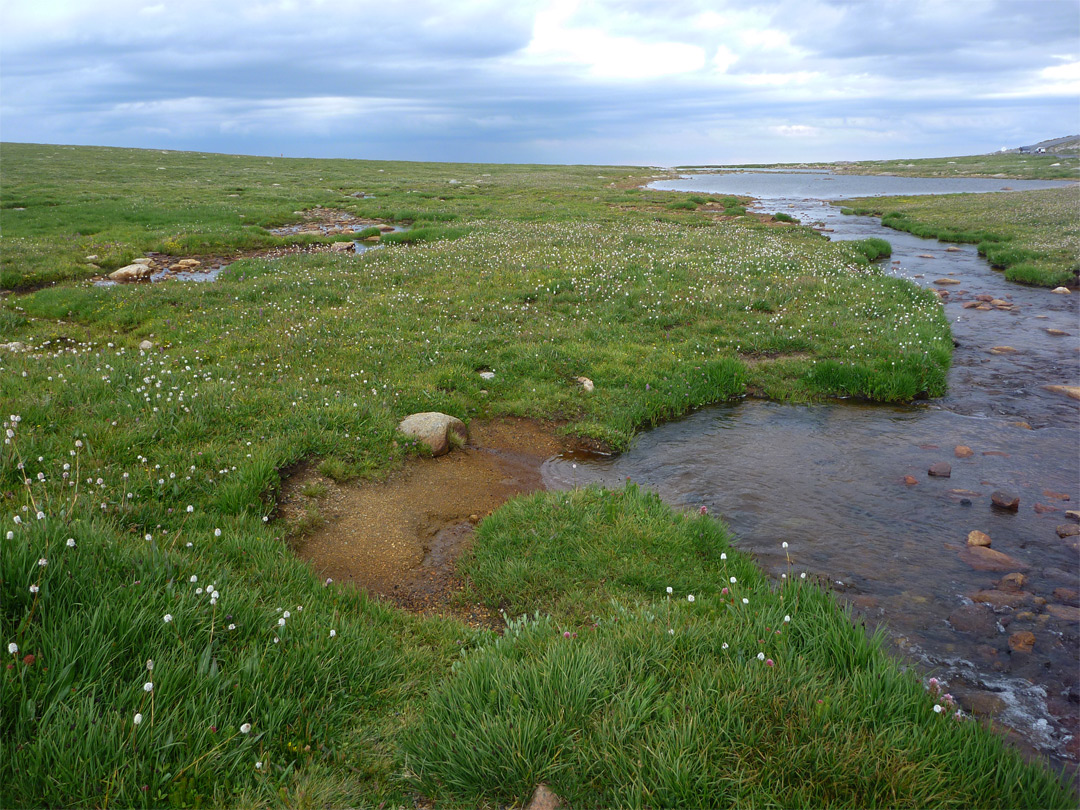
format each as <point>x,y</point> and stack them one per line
<point>189,263</point>
<point>132,272</point>
<point>1005,500</point>
<point>946,281</point>
<point>437,430</point>
<point>1068,530</point>
<point>977,538</point>
<point>977,619</point>
<point>1060,290</point>
<point>982,558</point>
<point>146,260</point>
<point>940,470</point>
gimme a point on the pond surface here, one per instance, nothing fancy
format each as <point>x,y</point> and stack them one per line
<point>830,481</point>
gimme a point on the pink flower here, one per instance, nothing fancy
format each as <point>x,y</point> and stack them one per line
<point>769,662</point>
<point>703,510</point>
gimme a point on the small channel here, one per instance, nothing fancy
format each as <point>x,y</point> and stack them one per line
<point>830,479</point>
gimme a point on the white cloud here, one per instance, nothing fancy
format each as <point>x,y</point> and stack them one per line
<point>796,131</point>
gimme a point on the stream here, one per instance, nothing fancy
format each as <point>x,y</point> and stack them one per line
<point>830,479</point>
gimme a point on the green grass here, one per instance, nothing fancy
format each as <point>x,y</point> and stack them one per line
<point>545,274</point>
<point>627,696</point>
<point>1034,236</point>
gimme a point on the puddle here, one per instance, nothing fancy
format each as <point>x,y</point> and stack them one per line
<point>400,538</point>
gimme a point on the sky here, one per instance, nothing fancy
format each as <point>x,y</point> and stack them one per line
<point>636,82</point>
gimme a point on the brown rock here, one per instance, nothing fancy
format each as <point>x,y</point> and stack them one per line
<point>970,305</point>
<point>132,272</point>
<point>1068,530</point>
<point>1057,496</point>
<point>940,470</point>
<point>1067,613</point>
<point>926,255</point>
<point>1072,391</point>
<point>997,453</point>
<point>1000,599</point>
<point>1013,582</point>
<point>984,297</point>
<point>1068,596</point>
<point>963,451</point>
<point>1003,350</point>
<point>946,281</point>
<point>1057,332</point>
<point>997,302</point>
<point>343,247</point>
<point>952,249</point>
<point>977,538</point>
<point>544,799</point>
<point>910,480</point>
<point>978,619</point>
<point>1005,500</point>
<point>1044,508</point>
<point>1022,641</point>
<point>1073,514</point>
<point>986,559</point>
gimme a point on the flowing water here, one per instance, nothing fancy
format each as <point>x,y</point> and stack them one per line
<point>830,479</point>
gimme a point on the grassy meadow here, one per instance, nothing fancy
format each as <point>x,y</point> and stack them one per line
<point>165,646</point>
<point>1034,236</point>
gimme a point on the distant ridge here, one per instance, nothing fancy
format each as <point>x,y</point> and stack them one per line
<point>1069,144</point>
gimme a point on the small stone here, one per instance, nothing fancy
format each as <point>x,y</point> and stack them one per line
<point>946,281</point>
<point>586,384</point>
<point>963,451</point>
<point>146,345</point>
<point>926,255</point>
<point>970,304</point>
<point>1057,332</point>
<point>1022,642</point>
<point>93,257</point>
<point>940,470</point>
<point>1060,290</point>
<point>487,375</point>
<point>1073,514</point>
<point>1005,500</point>
<point>189,263</point>
<point>982,558</point>
<point>1002,350</point>
<point>1021,425</point>
<point>146,260</point>
<point>979,702</point>
<point>910,480</point>
<point>544,799</point>
<point>343,247</point>
<point>977,538</point>
<point>998,302</point>
<point>1044,508</point>
<point>1068,530</point>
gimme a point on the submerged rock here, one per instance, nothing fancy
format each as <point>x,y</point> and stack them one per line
<point>963,451</point>
<point>1072,391</point>
<point>977,618</point>
<point>1022,641</point>
<point>940,470</point>
<point>437,430</point>
<point>982,558</point>
<point>1005,500</point>
<point>1068,530</point>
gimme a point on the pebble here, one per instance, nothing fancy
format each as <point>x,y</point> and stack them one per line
<point>963,451</point>
<point>977,538</point>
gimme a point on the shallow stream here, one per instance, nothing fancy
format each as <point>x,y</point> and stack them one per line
<point>830,479</point>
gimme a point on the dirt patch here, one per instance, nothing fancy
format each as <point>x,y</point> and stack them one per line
<point>400,538</point>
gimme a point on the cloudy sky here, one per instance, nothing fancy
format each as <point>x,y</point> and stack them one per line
<point>645,82</point>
